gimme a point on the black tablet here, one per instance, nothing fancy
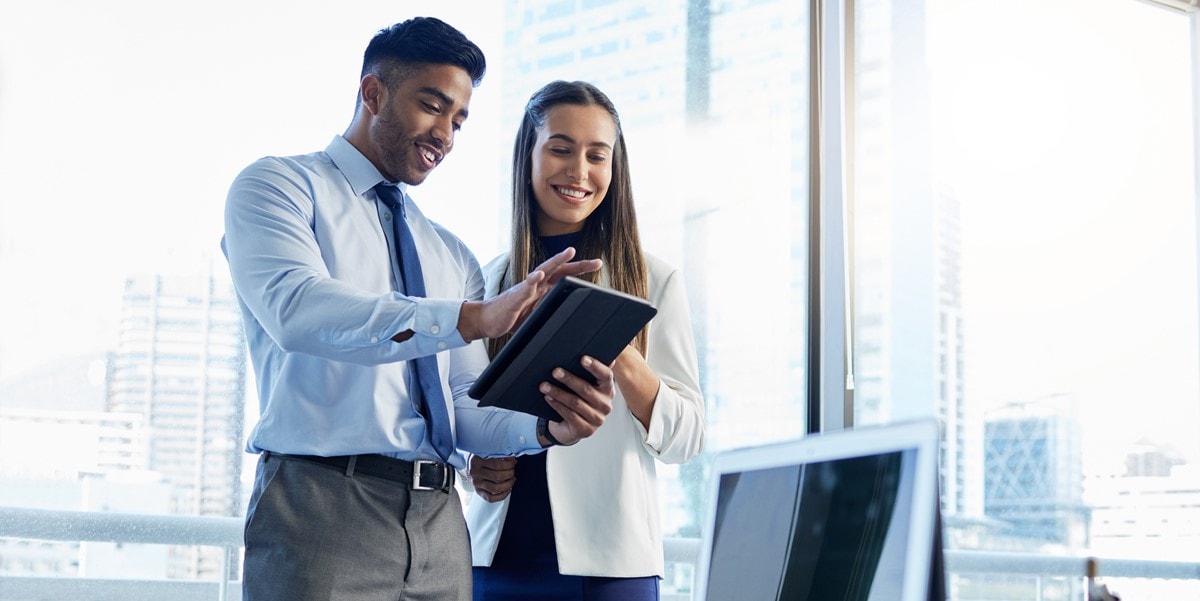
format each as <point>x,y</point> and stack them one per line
<point>574,319</point>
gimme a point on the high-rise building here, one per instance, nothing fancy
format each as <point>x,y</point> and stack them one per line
<point>181,364</point>
<point>1033,470</point>
<point>909,336</point>
<point>755,105</point>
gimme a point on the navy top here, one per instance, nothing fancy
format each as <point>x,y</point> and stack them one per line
<point>528,535</point>
<point>552,245</point>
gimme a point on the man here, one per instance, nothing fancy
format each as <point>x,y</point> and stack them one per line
<point>362,375</point>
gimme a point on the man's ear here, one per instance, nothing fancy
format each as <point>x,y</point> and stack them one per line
<point>374,93</point>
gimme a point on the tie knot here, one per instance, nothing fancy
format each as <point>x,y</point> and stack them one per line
<point>391,196</point>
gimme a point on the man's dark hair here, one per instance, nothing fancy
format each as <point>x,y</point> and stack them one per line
<point>421,41</point>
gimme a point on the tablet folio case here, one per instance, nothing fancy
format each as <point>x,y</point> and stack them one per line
<point>574,319</point>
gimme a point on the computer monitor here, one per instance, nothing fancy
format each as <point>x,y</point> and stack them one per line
<point>850,515</point>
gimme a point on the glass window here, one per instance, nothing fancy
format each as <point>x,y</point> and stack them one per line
<point>125,122</point>
<point>1025,269</point>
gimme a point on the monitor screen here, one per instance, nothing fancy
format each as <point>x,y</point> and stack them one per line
<point>822,519</point>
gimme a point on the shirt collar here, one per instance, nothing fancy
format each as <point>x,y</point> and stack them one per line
<point>358,170</point>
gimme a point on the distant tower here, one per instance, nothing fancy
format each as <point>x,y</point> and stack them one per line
<point>181,364</point>
<point>909,336</point>
<point>1033,471</point>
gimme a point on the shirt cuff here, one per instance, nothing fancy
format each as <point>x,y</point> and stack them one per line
<point>438,318</point>
<point>522,435</point>
<point>435,326</point>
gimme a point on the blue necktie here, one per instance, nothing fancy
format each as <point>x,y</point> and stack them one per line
<point>424,369</point>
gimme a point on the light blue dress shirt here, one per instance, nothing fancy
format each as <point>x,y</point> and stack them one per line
<point>310,249</point>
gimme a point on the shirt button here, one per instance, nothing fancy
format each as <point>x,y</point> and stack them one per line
<point>374,339</point>
<point>522,440</point>
<point>434,330</point>
<point>441,346</point>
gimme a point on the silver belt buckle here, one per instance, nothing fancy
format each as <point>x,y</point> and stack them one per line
<point>418,465</point>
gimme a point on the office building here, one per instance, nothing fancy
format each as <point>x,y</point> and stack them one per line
<point>1146,517</point>
<point>1034,472</point>
<point>180,364</point>
<point>86,461</point>
<point>907,274</point>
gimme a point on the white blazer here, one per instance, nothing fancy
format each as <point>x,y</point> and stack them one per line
<point>603,490</point>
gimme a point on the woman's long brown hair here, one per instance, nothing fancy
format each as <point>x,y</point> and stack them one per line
<point>610,233</point>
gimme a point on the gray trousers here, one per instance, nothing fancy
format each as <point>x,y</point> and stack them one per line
<point>314,533</point>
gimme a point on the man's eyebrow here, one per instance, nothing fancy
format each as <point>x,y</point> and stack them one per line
<point>570,140</point>
<point>440,95</point>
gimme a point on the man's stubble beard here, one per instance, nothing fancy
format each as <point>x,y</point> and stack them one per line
<point>397,151</point>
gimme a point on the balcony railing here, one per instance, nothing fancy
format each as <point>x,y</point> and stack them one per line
<point>77,526</point>
<point>226,533</point>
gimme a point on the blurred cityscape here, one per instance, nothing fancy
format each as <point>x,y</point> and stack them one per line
<point>158,424</point>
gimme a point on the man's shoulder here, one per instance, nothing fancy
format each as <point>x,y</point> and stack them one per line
<point>313,162</point>
<point>298,182</point>
<point>295,176</point>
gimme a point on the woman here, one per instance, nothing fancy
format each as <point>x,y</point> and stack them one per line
<point>602,539</point>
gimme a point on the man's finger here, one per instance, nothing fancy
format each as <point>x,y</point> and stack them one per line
<point>575,268</point>
<point>564,256</point>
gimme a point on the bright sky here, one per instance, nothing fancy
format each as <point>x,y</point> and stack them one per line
<point>1069,139</point>
<point>1065,136</point>
<point>122,124</point>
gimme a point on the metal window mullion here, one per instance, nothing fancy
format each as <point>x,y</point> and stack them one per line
<point>828,407</point>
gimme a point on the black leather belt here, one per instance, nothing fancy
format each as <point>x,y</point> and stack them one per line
<point>418,475</point>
